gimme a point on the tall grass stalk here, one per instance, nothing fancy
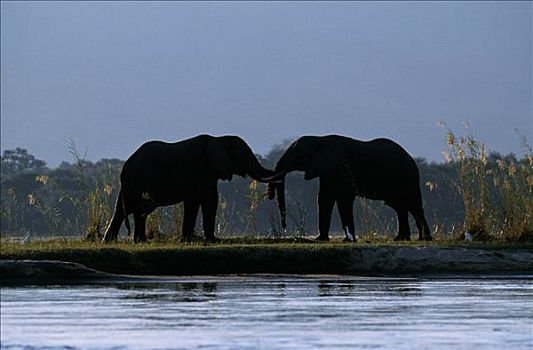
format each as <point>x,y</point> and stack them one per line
<point>52,213</point>
<point>371,216</point>
<point>178,214</point>
<point>153,224</point>
<point>496,192</point>
<point>255,197</point>
<point>225,214</point>
<point>9,210</point>
<point>299,218</point>
<point>513,183</point>
<point>274,222</point>
<point>468,158</point>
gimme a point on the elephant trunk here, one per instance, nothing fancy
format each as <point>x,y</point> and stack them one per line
<point>280,192</point>
<point>256,171</point>
<point>276,187</point>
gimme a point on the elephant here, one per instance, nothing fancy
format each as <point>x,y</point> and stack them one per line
<point>160,174</point>
<point>379,169</point>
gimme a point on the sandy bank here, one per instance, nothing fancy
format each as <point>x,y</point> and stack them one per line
<point>83,265</point>
<point>48,271</point>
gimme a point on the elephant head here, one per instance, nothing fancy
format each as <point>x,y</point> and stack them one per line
<point>230,155</point>
<point>314,155</point>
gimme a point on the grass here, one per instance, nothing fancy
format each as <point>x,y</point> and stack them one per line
<point>9,247</point>
<point>497,194</point>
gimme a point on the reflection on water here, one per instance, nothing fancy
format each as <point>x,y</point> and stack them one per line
<point>273,312</point>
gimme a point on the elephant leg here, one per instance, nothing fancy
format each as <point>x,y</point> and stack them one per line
<point>209,214</point>
<point>404,233</point>
<point>139,234</point>
<point>345,208</point>
<point>325,206</point>
<point>190,212</point>
<point>424,233</point>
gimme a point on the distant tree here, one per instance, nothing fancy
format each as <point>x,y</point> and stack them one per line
<point>18,160</point>
<point>275,153</point>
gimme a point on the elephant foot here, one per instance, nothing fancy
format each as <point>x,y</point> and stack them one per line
<point>109,239</point>
<point>400,237</point>
<point>347,239</point>
<point>322,238</point>
<point>212,240</point>
<point>426,238</point>
<point>110,236</point>
<point>139,239</point>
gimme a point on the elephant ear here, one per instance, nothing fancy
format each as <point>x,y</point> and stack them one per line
<point>326,160</point>
<point>219,159</point>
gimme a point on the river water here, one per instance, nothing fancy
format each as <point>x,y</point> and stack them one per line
<point>273,312</point>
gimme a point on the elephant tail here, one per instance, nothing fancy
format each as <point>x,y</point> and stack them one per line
<point>121,205</point>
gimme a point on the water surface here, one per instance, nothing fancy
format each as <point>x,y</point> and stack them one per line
<point>273,312</point>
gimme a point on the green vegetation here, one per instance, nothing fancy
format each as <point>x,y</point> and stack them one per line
<point>473,194</point>
<point>9,247</point>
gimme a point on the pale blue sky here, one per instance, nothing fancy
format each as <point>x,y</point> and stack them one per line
<point>113,75</point>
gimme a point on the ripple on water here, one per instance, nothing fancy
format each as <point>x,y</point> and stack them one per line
<point>250,312</point>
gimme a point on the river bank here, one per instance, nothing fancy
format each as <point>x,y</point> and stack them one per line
<point>279,258</point>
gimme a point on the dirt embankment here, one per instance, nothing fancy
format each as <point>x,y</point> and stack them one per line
<point>86,265</point>
<point>49,272</point>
